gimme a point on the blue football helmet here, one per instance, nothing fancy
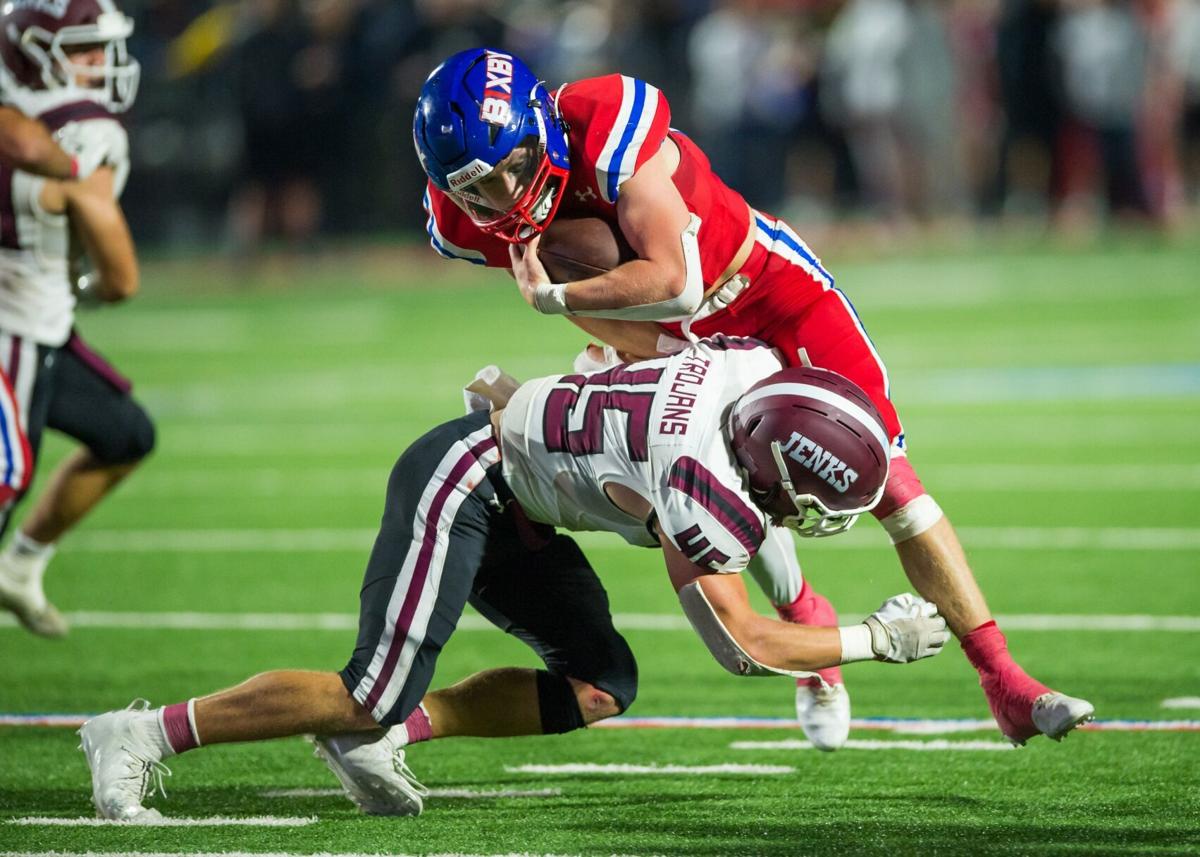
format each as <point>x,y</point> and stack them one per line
<point>489,135</point>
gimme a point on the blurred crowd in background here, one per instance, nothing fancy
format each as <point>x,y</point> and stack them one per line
<point>289,120</point>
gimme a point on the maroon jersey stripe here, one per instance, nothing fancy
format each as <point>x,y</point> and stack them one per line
<point>694,479</point>
<point>76,111</point>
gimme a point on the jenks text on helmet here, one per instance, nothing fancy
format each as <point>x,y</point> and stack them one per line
<point>820,461</point>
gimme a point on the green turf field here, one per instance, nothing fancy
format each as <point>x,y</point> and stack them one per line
<point>1052,402</point>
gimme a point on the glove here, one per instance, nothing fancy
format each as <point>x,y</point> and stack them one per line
<point>906,628</point>
<point>595,358</point>
<point>85,159</point>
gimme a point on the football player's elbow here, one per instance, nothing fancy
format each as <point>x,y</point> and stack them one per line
<point>122,285</point>
<point>687,300</point>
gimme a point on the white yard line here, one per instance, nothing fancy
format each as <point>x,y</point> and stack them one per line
<point>359,540</point>
<point>320,482</point>
<point>904,725</point>
<point>199,621</point>
<point>637,770</point>
<point>167,821</point>
<point>1182,702</point>
<point>857,744</point>
<point>463,794</point>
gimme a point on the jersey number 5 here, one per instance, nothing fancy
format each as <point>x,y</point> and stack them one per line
<point>614,390</point>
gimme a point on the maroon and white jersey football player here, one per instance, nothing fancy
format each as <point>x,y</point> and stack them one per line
<point>64,63</point>
<point>505,158</point>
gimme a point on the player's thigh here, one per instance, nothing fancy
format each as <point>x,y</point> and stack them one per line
<point>830,335</point>
<point>435,529</point>
<point>92,404</point>
<point>552,600</point>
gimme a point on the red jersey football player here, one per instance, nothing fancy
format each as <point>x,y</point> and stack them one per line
<point>504,156</point>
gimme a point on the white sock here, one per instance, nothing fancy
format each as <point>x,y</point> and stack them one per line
<point>25,547</point>
<point>26,565</point>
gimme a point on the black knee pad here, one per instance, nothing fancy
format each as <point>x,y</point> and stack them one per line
<point>620,679</point>
<point>557,703</point>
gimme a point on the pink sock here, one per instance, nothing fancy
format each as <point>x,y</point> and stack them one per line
<point>418,726</point>
<point>178,724</point>
<point>987,649</point>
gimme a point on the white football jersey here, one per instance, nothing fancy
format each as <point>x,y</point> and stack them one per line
<point>36,300</point>
<point>656,428</point>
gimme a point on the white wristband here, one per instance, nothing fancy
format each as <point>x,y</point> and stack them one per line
<point>551,299</point>
<point>856,643</point>
<point>912,519</point>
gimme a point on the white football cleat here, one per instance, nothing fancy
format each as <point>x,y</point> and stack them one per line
<point>1055,714</point>
<point>123,752</point>
<point>372,771</point>
<point>21,592</point>
<point>824,714</point>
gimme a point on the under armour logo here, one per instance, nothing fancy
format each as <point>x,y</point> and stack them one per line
<point>585,194</point>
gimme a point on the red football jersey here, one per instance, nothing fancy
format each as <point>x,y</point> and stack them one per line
<point>615,124</point>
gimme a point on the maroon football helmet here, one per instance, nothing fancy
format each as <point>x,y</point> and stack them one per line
<point>814,449</point>
<point>38,37</point>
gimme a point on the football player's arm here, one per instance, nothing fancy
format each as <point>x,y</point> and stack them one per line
<point>96,217</point>
<point>635,340</point>
<point>27,145</point>
<point>665,280</point>
<point>905,628</point>
<point>768,642</point>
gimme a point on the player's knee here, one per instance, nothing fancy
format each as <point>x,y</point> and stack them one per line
<point>905,510</point>
<point>134,442</point>
<point>594,703</point>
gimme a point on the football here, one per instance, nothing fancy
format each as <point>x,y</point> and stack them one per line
<point>580,247</point>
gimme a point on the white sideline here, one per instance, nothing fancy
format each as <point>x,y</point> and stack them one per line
<point>355,540</point>
<point>859,744</point>
<point>197,621</point>
<point>1182,702</point>
<point>687,770</point>
<point>166,821</point>
<point>465,794</point>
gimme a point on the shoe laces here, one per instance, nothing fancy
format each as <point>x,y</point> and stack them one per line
<point>401,767</point>
<point>152,776</point>
<point>826,694</point>
<point>149,772</point>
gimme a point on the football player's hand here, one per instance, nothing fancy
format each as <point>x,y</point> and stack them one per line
<point>527,269</point>
<point>906,628</point>
<point>596,358</point>
<point>85,159</point>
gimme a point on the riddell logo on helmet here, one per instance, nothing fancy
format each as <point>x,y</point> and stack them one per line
<point>497,92</point>
<point>820,461</point>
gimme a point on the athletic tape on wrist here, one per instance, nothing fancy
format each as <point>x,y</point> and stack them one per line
<point>856,643</point>
<point>551,299</point>
<point>913,518</point>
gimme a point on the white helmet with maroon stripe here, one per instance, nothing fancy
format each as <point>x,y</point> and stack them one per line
<point>38,38</point>
<point>814,449</point>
